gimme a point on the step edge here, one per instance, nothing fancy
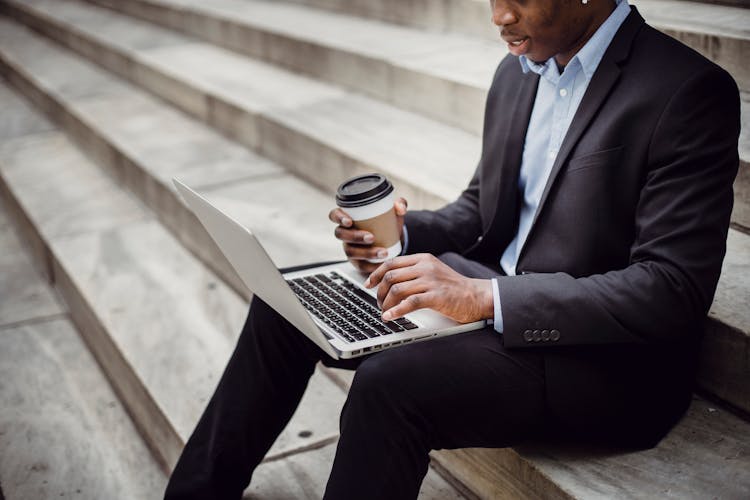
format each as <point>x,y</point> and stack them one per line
<point>200,110</point>
<point>109,357</point>
<point>390,95</point>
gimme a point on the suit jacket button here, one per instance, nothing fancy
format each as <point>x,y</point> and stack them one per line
<point>554,335</point>
<point>545,335</point>
<point>537,335</point>
<point>527,336</point>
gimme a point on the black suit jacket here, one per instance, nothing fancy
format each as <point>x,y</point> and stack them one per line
<point>621,264</point>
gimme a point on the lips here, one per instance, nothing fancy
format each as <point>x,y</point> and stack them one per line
<point>517,45</point>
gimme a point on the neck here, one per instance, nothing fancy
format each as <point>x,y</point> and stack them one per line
<point>593,16</point>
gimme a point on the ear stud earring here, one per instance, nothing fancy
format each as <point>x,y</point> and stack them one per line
<point>584,2</point>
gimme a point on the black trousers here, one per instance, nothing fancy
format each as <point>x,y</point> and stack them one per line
<point>460,391</point>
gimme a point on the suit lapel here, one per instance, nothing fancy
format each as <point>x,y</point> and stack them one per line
<point>503,193</point>
<point>599,88</point>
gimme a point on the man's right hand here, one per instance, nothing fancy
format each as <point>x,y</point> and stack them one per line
<point>358,244</point>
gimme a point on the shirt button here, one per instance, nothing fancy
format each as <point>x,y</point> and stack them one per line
<point>563,92</point>
<point>552,154</point>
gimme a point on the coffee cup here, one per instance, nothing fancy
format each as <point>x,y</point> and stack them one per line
<point>368,200</point>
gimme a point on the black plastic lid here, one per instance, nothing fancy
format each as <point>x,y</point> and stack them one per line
<point>363,190</point>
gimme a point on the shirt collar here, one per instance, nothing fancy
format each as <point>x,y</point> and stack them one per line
<point>538,68</point>
<point>592,52</point>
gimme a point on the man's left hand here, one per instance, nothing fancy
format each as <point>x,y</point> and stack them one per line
<point>419,281</point>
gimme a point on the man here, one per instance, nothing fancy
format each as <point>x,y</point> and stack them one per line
<point>592,233</point>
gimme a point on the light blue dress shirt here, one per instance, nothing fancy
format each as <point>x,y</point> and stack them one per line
<point>557,100</point>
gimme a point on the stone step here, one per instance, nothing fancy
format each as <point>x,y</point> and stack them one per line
<point>704,456</point>
<point>303,476</point>
<point>720,32</point>
<point>469,17</point>
<point>157,320</point>
<point>732,3</point>
<point>150,143</point>
<point>443,76</point>
<point>741,212</point>
<point>320,132</point>
<point>23,295</point>
<point>62,431</point>
<point>128,145</point>
<point>252,27</point>
<point>724,368</point>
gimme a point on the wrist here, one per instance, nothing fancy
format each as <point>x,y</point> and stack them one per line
<point>485,299</point>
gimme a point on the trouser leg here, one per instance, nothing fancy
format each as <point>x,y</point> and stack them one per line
<point>257,395</point>
<point>460,391</point>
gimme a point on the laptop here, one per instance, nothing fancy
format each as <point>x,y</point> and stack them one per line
<point>326,303</point>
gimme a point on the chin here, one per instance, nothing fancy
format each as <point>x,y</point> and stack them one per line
<point>537,59</point>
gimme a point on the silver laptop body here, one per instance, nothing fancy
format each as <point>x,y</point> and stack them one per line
<point>324,326</point>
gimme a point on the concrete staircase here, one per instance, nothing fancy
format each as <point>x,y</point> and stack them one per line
<point>238,100</point>
<point>63,432</point>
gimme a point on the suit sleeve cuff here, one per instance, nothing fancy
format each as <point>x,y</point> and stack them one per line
<point>498,324</point>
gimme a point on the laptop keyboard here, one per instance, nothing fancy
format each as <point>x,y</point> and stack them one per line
<point>347,309</point>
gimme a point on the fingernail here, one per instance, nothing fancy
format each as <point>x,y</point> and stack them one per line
<point>367,283</point>
<point>387,316</point>
<point>382,254</point>
<point>368,238</point>
<point>345,221</point>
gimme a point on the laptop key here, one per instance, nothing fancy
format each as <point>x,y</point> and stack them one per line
<point>365,296</point>
<point>343,334</point>
<point>395,327</point>
<point>408,325</point>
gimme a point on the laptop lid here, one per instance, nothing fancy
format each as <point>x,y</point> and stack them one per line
<point>253,265</point>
